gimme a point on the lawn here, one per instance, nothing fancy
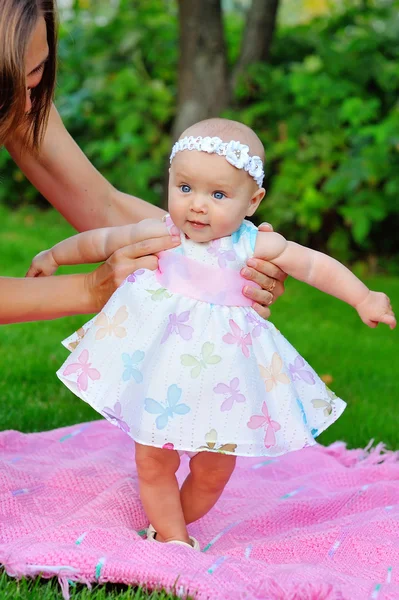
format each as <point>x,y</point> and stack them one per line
<point>50,590</point>
<point>360,364</point>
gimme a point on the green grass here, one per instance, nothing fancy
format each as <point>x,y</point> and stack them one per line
<point>50,590</point>
<point>362,362</point>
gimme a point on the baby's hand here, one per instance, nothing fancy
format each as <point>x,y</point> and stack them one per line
<point>376,308</point>
<point>42,265</point>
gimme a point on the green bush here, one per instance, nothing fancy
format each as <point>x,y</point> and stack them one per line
<point>326,109</point>
<point>328,113</point>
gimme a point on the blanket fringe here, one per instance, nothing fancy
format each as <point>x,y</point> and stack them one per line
<point>308,591</point>
<point>367,456</point>
<point>272,591</point>
<point>64,585</point>
<point>65,575</point>
<point>263,589</point>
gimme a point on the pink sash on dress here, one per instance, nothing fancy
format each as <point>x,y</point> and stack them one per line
<point>182,275</point>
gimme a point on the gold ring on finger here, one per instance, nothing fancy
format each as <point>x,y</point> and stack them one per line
<point>273,285</point>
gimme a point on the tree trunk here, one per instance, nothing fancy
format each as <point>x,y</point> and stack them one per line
<point>258,36</point>
<point>204,83</point>
<point>203,80</point>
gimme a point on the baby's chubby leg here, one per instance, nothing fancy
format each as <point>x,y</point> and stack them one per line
<point>209,474</point>
<point>159,491</point>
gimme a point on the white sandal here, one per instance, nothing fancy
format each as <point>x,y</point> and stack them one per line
<point>151,533</point>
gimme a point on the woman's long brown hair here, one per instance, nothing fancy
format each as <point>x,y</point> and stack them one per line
<point>18,19</point>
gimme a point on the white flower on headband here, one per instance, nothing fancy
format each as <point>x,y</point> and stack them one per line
<point>236,154</point>
<point>184,144</point>
<point>255,168</point>
<point>210,145</point>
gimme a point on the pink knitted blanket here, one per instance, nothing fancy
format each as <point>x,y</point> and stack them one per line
<point>321,523</point>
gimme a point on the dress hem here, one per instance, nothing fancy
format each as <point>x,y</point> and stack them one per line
<point>339,410</point>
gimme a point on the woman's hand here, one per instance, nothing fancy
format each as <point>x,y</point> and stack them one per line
<point>268,276</point>
<point>103,282</point>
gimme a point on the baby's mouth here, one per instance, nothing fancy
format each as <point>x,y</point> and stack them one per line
<point>198,224</point>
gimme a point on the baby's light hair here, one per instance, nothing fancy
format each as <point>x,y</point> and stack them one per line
<point>227,130</point>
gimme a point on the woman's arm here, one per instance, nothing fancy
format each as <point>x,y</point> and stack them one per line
<point>65,176</point>
<point>326,274</point>
<point>52,297</point>
<point>45,298</point>
<point>67,179</point>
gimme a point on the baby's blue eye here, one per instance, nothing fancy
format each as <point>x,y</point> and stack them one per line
<point>185,188</point>
<point>219,195</point>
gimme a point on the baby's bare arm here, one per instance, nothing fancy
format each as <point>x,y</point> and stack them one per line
<point>312,267</point>
<point>94,246</point>
<point>326,274</point>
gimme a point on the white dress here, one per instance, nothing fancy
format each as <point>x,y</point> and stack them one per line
<point>179,359</point>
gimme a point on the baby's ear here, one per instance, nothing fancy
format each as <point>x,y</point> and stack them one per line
<point>255,201</point>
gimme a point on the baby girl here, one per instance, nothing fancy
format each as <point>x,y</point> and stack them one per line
<point>178,358</point>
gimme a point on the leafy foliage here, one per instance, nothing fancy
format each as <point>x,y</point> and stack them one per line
<point>328,113</point>
<point>326,108</point>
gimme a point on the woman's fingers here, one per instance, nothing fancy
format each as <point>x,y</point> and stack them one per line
<point>141,255</point>
<point>271,281</point>
<point>268,276</point>
<point>265,227</point>
<point>146,247</point>
<point>103,282</point>
<point>145,262</point>
<point>271,289</point>
<point>263,311</point>
<point>258,295</point>
<point>266,268</point>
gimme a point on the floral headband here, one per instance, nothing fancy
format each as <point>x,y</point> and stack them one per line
<point>235,152</point>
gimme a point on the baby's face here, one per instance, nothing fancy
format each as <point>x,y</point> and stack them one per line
<point>208,197</point>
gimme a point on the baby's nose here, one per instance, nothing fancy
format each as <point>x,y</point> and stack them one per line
<point>199,204</point>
